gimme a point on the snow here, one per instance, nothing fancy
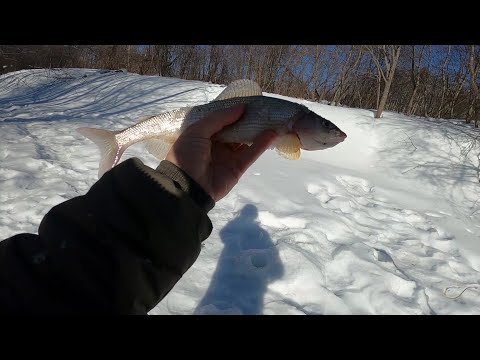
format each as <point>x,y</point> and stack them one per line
<point>383,223</point>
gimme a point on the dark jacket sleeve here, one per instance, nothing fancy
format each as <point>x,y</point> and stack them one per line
<point>119,249</point>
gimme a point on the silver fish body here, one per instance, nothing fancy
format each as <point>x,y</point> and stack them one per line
<point>297,126</point>
<point>261,113</point>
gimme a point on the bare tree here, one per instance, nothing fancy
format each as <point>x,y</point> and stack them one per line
<point>350,67</point>
<point>385,58</point>
<point>460,75</point>
<point>474,69</point>
<point>416,58</point>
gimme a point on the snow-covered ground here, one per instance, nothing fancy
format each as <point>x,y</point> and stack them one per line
<point>380,224</point>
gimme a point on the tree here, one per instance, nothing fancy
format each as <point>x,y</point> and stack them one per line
<point>416,58</point>
<point>474,70</point>
<point>385,58</point>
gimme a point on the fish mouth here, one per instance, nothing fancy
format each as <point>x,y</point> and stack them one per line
<point>339,134</point>
<point>337,139</point>
<point>312,144</point>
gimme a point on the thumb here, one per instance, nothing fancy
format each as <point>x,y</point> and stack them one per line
<point>216,121</point>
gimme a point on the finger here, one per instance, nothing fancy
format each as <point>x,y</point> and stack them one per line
<point>249,155</point>
<point>216,121</point>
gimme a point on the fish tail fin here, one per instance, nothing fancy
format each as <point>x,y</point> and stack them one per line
<point>110,151</point>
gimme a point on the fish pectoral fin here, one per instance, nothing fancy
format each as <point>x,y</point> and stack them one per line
<point>288,146</point>
<point>159,147</point>
<point>240,88</point>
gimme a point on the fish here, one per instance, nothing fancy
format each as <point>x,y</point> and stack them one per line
<point>297,126</point>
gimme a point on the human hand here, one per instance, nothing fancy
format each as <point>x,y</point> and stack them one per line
<point>217,167</point>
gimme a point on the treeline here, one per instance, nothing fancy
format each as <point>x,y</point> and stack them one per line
<point>426,80</point>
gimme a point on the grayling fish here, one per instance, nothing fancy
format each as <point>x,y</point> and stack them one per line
<point>297,126</point>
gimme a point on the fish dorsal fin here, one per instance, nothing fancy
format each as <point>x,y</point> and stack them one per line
<point>240,88</point>
<point>159,147</point>
<point>288,146</point>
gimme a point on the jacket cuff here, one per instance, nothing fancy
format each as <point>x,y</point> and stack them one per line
<point>127,173</point>
<point>187,184</point>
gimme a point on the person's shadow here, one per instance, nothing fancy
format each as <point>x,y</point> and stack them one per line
<point>249,261</point>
